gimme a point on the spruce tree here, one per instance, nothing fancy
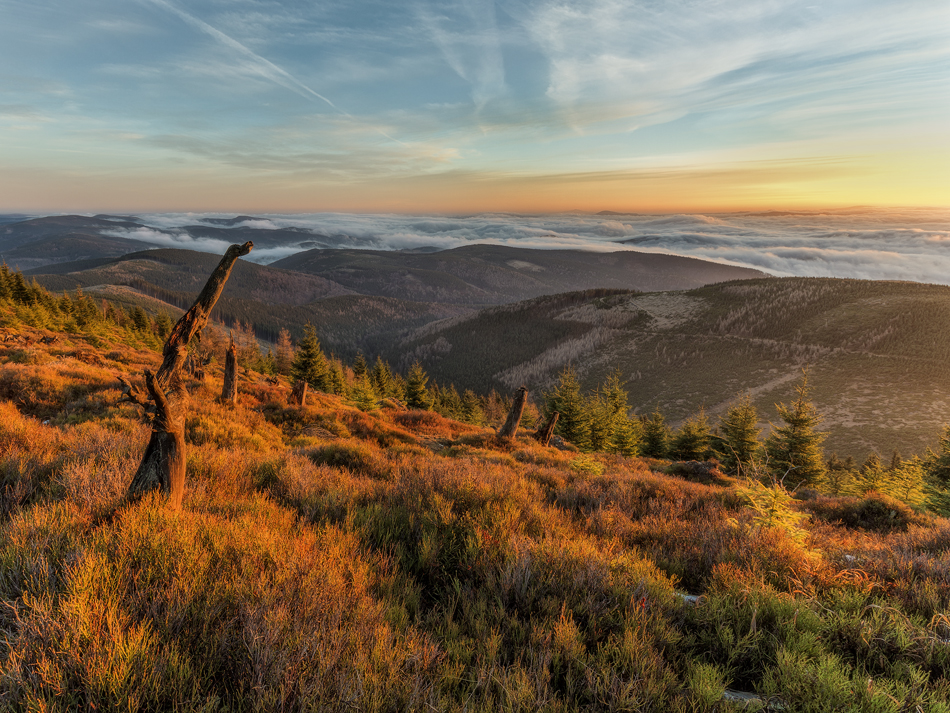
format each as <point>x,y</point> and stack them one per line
<point>656,435</point>
<point>896,461</point>
<point>5,283</point>
<point>937,468</point>
<point>382,377</point>
<point>472,408</point>
<point>627,438</point>
<point>20,290</point>
<point>66,306</point>
<point>362,393</point>
<point>794,449</point>
<point>268,363</point>
<point>739,442</point>
<point>566,398</point>
<point>359,366</point>
<point>163,325</point>
<point>624,434</point>
<point>417,395</point>
<point>310,363</point>
<point>872,473</point>
<point>908,482</point>
<point>938,464</point>
<point>284,358</point>
<point>446,401</point>
<point>839,477</point>
<point>336,378</point>
<point>601,423</point>
<point>140,321</point>
<point>691,442</point>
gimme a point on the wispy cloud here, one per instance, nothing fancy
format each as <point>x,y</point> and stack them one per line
<point>615,58</point>
<point>255,63</point>
<point>262,66</point>
<point>468,36</point>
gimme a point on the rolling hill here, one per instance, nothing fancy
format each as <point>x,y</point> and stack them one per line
<point>365,300</point>
<point>185,271</point>
<point>267,297</point>
<point>494,274</point>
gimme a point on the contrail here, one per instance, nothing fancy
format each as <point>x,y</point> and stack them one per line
<point>265,67</point>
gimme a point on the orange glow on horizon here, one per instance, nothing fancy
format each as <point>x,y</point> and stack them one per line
<point>911,180</point>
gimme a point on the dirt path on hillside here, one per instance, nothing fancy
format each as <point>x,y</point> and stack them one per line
<point>755,391</point>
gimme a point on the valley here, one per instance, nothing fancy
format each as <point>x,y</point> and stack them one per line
<point>685,334</point>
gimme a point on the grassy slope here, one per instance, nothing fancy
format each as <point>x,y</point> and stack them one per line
<point>332,559</point>
<point>876,352</point>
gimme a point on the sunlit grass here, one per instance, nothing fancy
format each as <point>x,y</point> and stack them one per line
<point>331,559</point>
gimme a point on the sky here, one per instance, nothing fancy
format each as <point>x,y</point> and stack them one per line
<point>300,106</point>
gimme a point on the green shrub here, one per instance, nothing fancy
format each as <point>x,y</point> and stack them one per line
<point>361,458</point>
<point>876,512</point>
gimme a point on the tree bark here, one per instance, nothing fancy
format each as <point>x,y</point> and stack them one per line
<point>229,388</point>
<point>298,395</point>
<point>544,434</point>
<point>510,429</point>
<point>163,465</point>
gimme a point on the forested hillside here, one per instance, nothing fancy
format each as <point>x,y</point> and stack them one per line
<point>875,351</point>
<point>478,275</point>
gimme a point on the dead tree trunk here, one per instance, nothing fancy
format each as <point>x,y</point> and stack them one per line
<point>229,388</point>
<point>163,465</point>
<point>543,435</point>
<point>298,395</point>
<point>510,429</point>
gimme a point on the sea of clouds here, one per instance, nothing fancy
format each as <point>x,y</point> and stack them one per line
<point>894,244</point>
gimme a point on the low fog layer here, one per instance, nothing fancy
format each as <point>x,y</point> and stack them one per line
<point>905,244</point>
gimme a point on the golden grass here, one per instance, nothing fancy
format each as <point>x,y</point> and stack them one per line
<point>331,559</point>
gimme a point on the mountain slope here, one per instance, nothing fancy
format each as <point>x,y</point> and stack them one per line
<point>185,271</point>
<point>875,351</point>
<point>494,274</point>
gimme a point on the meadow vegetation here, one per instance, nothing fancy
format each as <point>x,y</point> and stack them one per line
<point>356,554</point>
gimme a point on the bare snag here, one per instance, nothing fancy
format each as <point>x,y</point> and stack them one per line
<point>163,465</point>
<point>229,387</point>
<point>543,435</point>
<point>298,396</point>
<point>510,429</point>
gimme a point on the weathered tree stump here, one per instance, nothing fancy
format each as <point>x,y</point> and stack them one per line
<point>163,465</point>
<point>298,396</point>
<point>229,388</point>
<point>510,429</point>
<point>543,434</point>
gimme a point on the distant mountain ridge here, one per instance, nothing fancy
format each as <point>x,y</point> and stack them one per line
<point>364,300</point>
<point>36,242</point>
<point>185,271</point>
<point>485,274</point>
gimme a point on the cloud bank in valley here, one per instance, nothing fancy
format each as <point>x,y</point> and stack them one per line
<point>898,244</point>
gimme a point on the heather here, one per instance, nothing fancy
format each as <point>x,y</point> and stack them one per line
<point>355,554</point>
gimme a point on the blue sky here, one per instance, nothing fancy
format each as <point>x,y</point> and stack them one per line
<point>251,105</point>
